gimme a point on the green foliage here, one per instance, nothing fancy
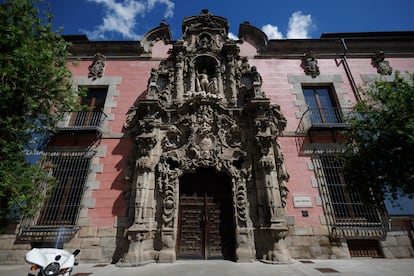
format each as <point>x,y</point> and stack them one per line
<point>22,187</point>
<point>379,158</point>
<point>35,85</point>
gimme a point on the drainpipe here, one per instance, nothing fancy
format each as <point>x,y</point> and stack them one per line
<point>348,72</point>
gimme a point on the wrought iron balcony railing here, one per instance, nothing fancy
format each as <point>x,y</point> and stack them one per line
<point>322,118</point>
<point>82,120</point>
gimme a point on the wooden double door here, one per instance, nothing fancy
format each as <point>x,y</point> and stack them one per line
<point>206,223</point>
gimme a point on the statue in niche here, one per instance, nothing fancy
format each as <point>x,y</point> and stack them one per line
<point>379,62</point>
<point>257,78</point>
<point>205,84</point>
<point>204,42</point>
<point>213,86</point>
<point>245,66</point>
<point>203,81</point>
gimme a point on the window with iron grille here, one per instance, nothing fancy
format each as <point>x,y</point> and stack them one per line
<point>71,171</point>
<point>344,207</point>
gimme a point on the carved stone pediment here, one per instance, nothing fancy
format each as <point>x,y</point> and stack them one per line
<point>203,22</point>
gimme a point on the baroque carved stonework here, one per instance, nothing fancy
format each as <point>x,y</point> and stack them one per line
<point>382,65</point>
<point>310,65</point>
<point>204,108</point>
<point>97,67</point>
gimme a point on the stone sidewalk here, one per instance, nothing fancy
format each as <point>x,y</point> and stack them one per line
<point>377,267</point>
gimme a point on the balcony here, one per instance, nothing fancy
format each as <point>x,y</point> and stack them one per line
<point>82,121</point>
<point>332,118</point>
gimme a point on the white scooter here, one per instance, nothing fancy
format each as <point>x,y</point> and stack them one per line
<point>51,261</point>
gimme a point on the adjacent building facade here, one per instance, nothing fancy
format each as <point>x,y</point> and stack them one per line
<point>207,147</point>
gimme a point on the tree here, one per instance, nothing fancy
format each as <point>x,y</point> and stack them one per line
<point>379,157</point>
<point>35,85</point>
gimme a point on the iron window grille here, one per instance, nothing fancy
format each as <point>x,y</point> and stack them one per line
<point>346,212</point>
<point>62,207</point>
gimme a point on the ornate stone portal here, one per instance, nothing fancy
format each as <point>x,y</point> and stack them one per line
<point>204,108</point>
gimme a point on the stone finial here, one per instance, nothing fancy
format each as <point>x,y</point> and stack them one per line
<point>97,66</point>
<point>379,62</point>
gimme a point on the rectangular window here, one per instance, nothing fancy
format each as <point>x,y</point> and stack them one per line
<point>346,207</point>
<point>95,98</point>
<point>322,105</point>
<point>95,102</point>
<point>71,171</point>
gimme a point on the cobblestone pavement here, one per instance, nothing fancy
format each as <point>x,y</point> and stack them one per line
<point>377,267</point>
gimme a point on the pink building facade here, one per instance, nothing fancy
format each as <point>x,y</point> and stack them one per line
<point>251,162</point>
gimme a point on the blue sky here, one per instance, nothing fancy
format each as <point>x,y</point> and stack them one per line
<point>131,19</point>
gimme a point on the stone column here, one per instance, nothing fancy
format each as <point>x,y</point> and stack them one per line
<point>245,248</point>
<point>220,81</point>
<point>280,252</point>
<point>193,77</point>
<point>141,247</point>
<point>167,253</point>
<point>179,81</point>
<point>142,232</point>
<point>232,82</point>
<point>170,187</point>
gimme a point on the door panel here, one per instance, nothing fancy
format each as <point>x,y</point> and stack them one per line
<point>213,239</point>
<point>206,222</point>
<point>191,230</point>
<point>199,228</point>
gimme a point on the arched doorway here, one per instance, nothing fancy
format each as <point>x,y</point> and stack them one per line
<point>206,228</point>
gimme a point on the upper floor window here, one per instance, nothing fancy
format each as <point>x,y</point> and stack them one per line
<point>95,98</point>
<point>322,105</point>
<point>94,101</point>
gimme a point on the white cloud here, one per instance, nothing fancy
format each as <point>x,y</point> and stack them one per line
<point>299,25</point>
<point>170,6</point>
<point>272,32</point>
<point>120,17</point>
<point>233,36</point>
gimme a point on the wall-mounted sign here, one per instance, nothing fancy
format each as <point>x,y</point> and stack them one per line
<point>302,201</point>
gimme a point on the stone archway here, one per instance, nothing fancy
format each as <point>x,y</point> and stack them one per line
<point>201,157</point>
